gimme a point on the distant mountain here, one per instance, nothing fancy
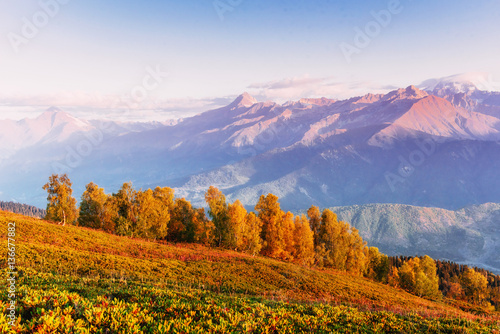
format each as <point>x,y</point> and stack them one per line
<point>462,91</point>
<point>470,235</point>
<point>52,125</point>
<point>435,147</point>
<point>24,209</point>
<point>56,126</point>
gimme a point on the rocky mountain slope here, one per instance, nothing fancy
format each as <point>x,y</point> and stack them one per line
<point>436,147</point>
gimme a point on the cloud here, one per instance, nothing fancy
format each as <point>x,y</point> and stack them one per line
<point>482,80</point>
<point>299,87</point>
<point>91,106</point>
<point>289,83</point>
<point>94,106</point>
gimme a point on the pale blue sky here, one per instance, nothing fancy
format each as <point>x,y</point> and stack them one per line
<point>90,52</point>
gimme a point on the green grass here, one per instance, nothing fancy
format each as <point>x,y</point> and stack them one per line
<point>191,288</point>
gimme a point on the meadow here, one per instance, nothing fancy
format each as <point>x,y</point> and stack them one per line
<point>79,280</point>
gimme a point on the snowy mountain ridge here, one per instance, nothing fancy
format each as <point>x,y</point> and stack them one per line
<point>314,150</point>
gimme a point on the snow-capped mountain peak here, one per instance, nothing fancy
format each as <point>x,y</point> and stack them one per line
<point>458,83</point>
<point>244,100</point>
<point>467,91</point>
<point>308,150</point>
<point>54,116</point>
<point>410,92</point>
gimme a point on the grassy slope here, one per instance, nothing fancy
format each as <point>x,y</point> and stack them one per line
<point>84,252</point>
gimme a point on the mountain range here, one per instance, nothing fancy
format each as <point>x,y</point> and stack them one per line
<point>438,146</point>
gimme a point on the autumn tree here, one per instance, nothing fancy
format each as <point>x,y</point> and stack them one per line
<point>356,259</point>
<point>180,224</point>
<point>61,204</point>
<point>251,241</point>
<point>97,210</point>
<point>393,277</point>
<point>475,286</point>
<point>203,228</point>
<point>419,277</point>
<point>287,226</point>
<point>269,212</point>
<point>303,241</point>
<point>218,212</point>
<point>331,250</point>
<point>235,228</point>
<point>377,266</point>
<point>151,215</point>
<point>339,246</point>
<point>314,222</point>
<point>188,224</point>
<point>455,291</point>
<point>125,200</point>
<point>165,195</point>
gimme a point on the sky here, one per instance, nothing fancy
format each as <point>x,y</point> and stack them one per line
<point>168,59</point>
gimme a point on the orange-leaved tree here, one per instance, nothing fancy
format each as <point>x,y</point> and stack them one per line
<point>314,222</point>
<point>236,225</point>
<point>269,212</point>
<point>251,234</point>
<point>303,241</point>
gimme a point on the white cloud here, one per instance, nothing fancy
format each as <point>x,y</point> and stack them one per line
<point>300,87</point>
<point>288,83</point>
<point>93,106</point>
<point>98,106</point>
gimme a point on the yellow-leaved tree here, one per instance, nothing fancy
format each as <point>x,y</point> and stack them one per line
<point>61,206</point>
<point>303,241</point>
<point>377,264</point>
<point>419,277</point>
<point>236,225</point>
<point>475,286</point>
<point>219,213</point>
<point>271,216</point>
<point>97,209</point>
<point>188,224</point>
<point>152,216</point>
<point>288,231</point>
<point>314,222</point>
<point>340,246</point>
<point>251,234</point>
<point>127,216</point>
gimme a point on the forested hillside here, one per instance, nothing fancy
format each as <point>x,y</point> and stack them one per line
<point>319,239</point>
<point>470,235</point>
